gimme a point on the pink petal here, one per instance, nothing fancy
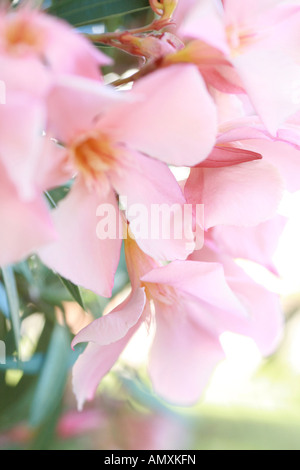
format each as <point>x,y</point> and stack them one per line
<point>183,356</point>
<point>157,236</point>
<point>196,280</point>
<point>78,56</point>
<point>17,75</point>
<point>115,325</point>
<point>79,255</point>
<point>182,10</point>
<point>205,21</point>
<point>264,321</point>
<point>267,321</point>
<point>281,151</point>
<point>22,119</point>
<point>92,365</point>
<point>56,44</point>
<point>247,11</point>
<point>256,243</point>
<point>243,195</point>
<point>25,226</point>
<point>228,156</point>
<point>229,106</point>
<point>174,121</point>
<point>97,360</point>
<point>75,104</point>
<point>138,263</point>
<point>273,63</point>
<point>242,128</point>
<point>224,78</point>
<point>285,157</point>
<point>54,168</point>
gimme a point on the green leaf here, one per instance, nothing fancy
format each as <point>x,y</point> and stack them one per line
<point>56,195</point>
<point>4,307</point>
<point>53,377</point>
<point>31,367</point>
<point>13,302</point>
<point>82,12</point>
<point>73,290</point>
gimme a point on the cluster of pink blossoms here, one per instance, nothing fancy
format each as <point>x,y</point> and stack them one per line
<point>219,93</point>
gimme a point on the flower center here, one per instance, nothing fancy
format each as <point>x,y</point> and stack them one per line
<point>239,39</point>
<point>94,155</point>
<point>21,37</point>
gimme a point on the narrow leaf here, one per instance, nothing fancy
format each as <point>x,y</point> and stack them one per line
<point>4,307</point>
<point>31,367</point>
<point>13,302</point>
<point>73,290</point>
<point>82,12</point>
<point>53,377</point>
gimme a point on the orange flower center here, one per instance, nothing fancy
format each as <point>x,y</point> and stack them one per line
<point>21,37</point>
<point>94,154</point>
<point>239,39</point>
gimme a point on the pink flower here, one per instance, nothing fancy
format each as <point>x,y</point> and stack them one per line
<point>108,138</point>
<point>244,194</point>
<point>281,150</point>
<point>257,243</point>
<point>35,47</point>
<point>25,219</point>
<point>260,40</point>
<point>189,318</point>
<point>26,225</point>
<point>112,335</point>
<point>265,321</point>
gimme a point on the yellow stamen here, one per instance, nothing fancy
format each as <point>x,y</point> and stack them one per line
<point>20,37</point>
<point>94,154</point>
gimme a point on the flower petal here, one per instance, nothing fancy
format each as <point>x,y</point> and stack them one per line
<point>175,119</point>
<point>256,243</point>
<point>25,226</point>
<point>264,321</point>
<point>155,207</point>
<point>79,255</point>
<point>182,358</point>
<point>92,365</point>
<point>205,21</point>
<point>116,324</point>
<point>285,157</point>
<point>244,195</point>
<point>197,281</point>
<point>75,104</point>
<point>265,64</point>
<point>228,156</point>
<point>22,119</point>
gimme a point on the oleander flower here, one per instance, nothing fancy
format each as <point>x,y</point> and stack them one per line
<point>35,47</point>
<point>118,143</point>
<point>25,220</point>
<point>259,42</point>
<point>180,299</point>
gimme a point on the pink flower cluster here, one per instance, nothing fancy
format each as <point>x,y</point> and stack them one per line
<point>222,101</point>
